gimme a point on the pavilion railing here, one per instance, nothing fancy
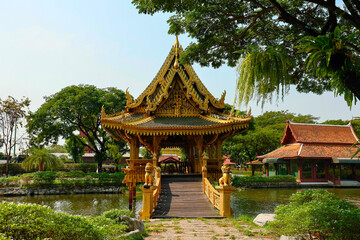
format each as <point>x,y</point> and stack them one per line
<point>212,194</point>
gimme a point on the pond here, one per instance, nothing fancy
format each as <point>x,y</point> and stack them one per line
<point>246,202</point>
<point>251,202</point>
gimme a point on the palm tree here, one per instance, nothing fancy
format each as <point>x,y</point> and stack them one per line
<point>42,159</point>
<point>330,56</point>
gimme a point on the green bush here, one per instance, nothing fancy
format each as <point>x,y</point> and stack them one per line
<point>9,181</point>
<point>317,213</point>
<point>31,221</point>
<point>247,173</point>
<point>47,177</point>
<point>14,169</point>
<point>68,179</point>
<point>85,167</point>
<point>76,174</point>
<point>238,181</point>
<point>116,213</point>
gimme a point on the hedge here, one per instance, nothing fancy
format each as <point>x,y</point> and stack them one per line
<point>61,179</point>
<point>31,221</point>
<point>16,168</point>
<point>238,181</point>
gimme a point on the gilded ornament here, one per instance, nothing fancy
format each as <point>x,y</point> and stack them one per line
<point>129,98</point>
<point>149,178</point>
<point>225,179</point>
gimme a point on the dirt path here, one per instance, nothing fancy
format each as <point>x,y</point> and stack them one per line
<point>203,229</point>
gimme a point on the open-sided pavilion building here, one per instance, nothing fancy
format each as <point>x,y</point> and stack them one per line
<point>175,110</point>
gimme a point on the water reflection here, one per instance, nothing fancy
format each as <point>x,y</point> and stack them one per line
<point>80,204</point>
<point>246,202</point>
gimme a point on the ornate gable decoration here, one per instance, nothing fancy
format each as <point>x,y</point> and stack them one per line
<point>171,75</point>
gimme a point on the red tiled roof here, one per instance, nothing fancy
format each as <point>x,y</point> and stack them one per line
<point>287,151</point>
<point>327,151</point>
<point>316,133</point>
<point>169,159</point>
<point>308,150</point>
<point>255,162</point>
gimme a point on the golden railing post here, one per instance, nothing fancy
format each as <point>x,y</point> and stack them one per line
<point>148,201</point>
<point>225,194</point>
<point>204,176</point>
<point>225,191</point>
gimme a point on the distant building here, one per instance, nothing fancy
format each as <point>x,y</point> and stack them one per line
<point>315,153</point>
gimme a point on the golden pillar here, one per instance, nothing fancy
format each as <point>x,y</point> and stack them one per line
<point>148,202</point>
<point>225,195</point>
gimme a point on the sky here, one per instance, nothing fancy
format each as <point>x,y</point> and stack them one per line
<point>48,45</point>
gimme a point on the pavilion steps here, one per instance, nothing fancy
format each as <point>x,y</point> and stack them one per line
<point>183,197</point>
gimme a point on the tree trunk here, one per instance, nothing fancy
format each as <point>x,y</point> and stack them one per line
<point>99,166</point>
<point>100,157</point>
<point>7,165</point>
<point>41,166</point>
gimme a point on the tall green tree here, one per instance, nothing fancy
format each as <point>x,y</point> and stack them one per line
<point>75,146</point>
<point>76,109</point>
<point>55,148</point>
<point>312,44</point>
<point>116,151</point>
<point>12,113</point>
<point>42,159</point>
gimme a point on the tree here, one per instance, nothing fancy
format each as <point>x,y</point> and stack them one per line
<point>55,148</point>
<point>76,109</point>
<point>145,154</point>
<point>319,36</point>
<point>75,145</point>
<point>116,150</point>
<point>12,112</point>
<point>42,159</point>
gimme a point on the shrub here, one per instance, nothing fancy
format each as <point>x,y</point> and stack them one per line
<point>116,213</point>
<point>14,169</point>
<point>31,221</point>
<point>9,181</point>
<point>317,213</point>
<point>85,167</point>
<point>47,177</point>
<point>238,181</point>
<point>28,221</point>
<point>76,174</point>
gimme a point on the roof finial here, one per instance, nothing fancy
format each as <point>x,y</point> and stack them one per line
<point>103,114</point>
<point>177,46</point>
<point>249,113</point>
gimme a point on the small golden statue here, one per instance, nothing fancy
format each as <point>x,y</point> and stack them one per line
<point>149,178</point>
<point>225,179</point>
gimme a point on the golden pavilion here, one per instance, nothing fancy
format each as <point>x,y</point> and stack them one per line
<point>176,110</point>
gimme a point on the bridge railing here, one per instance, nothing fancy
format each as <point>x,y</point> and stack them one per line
<point>212,194</point>
<point>220,196</point>
<point>136,171</point>
<point>157,191</point>
<point>150,197</point>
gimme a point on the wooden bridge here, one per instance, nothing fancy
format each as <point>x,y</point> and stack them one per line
<point>183,196</point>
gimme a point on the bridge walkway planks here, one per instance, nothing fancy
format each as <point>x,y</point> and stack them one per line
<point>183,197</point>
